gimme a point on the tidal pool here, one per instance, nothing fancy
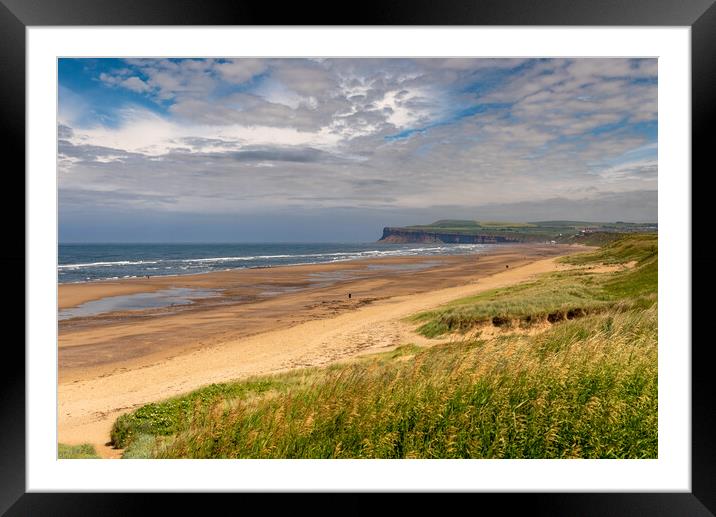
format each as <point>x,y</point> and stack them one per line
<point>137,302</point>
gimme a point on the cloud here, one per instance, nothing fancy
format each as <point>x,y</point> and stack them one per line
<point>299,155</point>
<point>636,206</point>
<point>238,71</point>
<point>143,131</point>
<point>409,135</point>
<point>135,84</point>
<point>64,132</point>
<point>640,171</point>
<point>306,78</point>
<point>132,83</point>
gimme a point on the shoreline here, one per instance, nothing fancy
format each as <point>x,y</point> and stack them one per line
<point>112,365</point>
<point>133,284</point>
<point>272,266</point>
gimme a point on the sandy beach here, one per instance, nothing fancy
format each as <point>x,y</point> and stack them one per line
<point>259,321</point>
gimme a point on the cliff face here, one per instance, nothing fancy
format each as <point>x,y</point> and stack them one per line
<point>403,235</point>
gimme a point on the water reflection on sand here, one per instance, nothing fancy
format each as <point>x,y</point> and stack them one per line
<point>140,301</point>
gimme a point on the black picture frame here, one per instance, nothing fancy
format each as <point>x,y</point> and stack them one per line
<point>17,15</point>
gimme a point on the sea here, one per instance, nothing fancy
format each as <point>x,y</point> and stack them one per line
<point>92,262</point>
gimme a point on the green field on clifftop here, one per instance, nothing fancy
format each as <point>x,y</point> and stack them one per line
<point>560,230</point>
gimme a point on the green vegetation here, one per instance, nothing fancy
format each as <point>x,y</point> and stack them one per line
<point>168,417</point>
<point>641,247</point>
<point>558,296</point>
<point>491,228</point>
<point>459,224</point>
<point>563,231</point>
<point>83,451</point>
<point>584,387</point>
<point>592,238</point>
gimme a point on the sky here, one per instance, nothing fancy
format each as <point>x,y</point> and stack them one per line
<point>333,150</point>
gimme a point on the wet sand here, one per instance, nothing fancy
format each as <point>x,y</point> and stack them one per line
<point>263,321</point>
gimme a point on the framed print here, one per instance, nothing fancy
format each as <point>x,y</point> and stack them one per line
<point>413,251</point>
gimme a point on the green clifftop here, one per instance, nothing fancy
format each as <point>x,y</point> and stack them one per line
<point>469,232</point>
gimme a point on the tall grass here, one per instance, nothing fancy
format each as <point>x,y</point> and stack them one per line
<point>583,388</point>
<point>169,416</point>
<point>557,296</point>
<point>82,451</point>
<point>633,247</point>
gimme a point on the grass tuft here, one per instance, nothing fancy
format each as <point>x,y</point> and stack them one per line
<point>83,451</point>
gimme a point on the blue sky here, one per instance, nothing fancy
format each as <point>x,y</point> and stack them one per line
<point>271,149</point>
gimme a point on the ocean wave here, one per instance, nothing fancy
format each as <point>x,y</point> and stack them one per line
<point>107,264</point>
<point>356,254</point>
<point>133,267</point>
<point>350,254</point>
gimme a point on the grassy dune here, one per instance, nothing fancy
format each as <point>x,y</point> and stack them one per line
<point>83,451</point>
<point>582,387</point>
<point>559,296</point>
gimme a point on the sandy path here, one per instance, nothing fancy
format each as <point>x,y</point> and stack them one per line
<point>87,408</point>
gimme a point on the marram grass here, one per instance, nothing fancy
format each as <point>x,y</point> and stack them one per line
<point>84,451</point>
<point>558,296</point>
<point>583,388</point>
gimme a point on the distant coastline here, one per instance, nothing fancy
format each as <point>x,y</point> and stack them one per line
<point>456,231</point>
<point>79,263</point>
